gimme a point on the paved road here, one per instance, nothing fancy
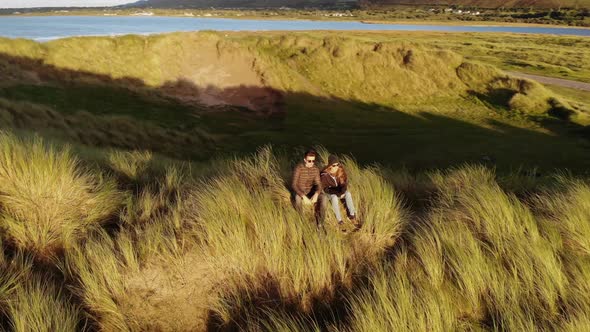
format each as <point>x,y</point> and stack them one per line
<point>553,81</point>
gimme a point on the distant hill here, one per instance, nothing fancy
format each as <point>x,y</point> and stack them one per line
<point>244,3</point>
<point>483,3</point>
<point>362,3</point>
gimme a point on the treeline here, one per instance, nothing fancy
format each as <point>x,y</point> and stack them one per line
<point>571,17</point>
<point>482,4</point>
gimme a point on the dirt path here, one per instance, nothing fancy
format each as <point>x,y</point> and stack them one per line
<point>553,81</point>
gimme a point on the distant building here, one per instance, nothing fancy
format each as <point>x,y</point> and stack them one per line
<point>143,14</point>
<point>338,14</point>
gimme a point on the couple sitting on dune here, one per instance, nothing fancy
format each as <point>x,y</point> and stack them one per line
<point>314,187</point>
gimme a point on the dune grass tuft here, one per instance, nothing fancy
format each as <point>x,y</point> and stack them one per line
<point>47,200</point>
<point>38,305</point>
<point>131,165</point>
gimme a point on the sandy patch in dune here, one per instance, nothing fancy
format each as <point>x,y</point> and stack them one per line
<point>171,296</point>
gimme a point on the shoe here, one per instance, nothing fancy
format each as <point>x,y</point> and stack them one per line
<point>354,221</point>
<point>341,225</point>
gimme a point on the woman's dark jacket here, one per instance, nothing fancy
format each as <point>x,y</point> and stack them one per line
<point>331,185</point>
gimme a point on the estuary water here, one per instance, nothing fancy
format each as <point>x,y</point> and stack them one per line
<point>43,28</point>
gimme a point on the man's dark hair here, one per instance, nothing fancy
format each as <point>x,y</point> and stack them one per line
<point>310,153</point>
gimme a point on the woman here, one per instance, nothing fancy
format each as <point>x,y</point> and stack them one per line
<point>335,184</point>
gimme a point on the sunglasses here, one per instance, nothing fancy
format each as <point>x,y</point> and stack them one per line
<point>310,161</point>
<point>335,165</point>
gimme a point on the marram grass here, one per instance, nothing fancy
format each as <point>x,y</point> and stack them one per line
<point>38,305</point>
<point>484,261</point>
<point>475,256</point>
<point>253,232</point>
<point>47,199</point>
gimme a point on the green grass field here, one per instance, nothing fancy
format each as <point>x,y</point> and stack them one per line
<point>555,56</point>
<point>306,88</point>
<point>144,184</point>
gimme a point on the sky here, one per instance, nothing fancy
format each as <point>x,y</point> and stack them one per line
<point>60,3</point>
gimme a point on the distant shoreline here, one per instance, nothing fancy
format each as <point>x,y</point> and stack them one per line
<point>476,24</point>
<point>327,19</point>
<point>322,15</point>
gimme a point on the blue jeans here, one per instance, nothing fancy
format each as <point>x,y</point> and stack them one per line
<point>334,199</point>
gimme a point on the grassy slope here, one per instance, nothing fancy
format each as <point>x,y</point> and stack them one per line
<point>331,87</point>
<point>556,56</point>
<point>575,96</point>
<point>549,56</point>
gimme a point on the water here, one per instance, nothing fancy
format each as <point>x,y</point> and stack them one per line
<point>44,28</point>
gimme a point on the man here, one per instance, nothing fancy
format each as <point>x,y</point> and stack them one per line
<point>307,186</point>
